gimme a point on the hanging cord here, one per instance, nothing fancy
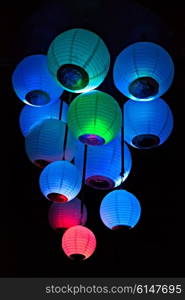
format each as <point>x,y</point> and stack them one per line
<point>122,145</point>
<point>83,182</point>
<point>66,97</point>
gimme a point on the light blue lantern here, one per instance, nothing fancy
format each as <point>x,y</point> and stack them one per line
<point>79,60</point>
<point>31,115</point>
<point>120,210</point>
<point>143,71</point>
<point>147,124</point>
<point>46,142</point>
<point>60,181</point>
<point>33,83</point>
<point>104,165</point>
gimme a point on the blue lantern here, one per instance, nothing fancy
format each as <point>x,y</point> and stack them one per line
<point>33,83</point>
<point>46,141</point>
<point>120,210</point>
<point>143,71</point>
<point>31,115</point>
<point>147,124</point>
<point>104,164</point>
<point>60,181</point>
<point>79,60</point>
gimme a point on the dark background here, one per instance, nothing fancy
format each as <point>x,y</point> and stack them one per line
<point>155,247</point>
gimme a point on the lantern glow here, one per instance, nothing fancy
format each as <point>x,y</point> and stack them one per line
<point>78,242</point>
<point>120,209</point>
<point>65,215</point>
<point>60,181</point>
<point>94,118</point>
<point>33,83</point>
<point>79,60</point>
<point>143,71</point>
<point>104,164</point>
<point>31,115</point>
<point>147,124</point>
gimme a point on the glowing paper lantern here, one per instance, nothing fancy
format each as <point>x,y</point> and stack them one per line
<point>60,181</point>
<point>79,60</point>
<point>143,71</point>
<point>78,242</point>
<point>104,164</point>
<point>33,83</point>
<point>147,124</point>
<point>94,118</point>
<point>31,115</point>
<point>45,142</point>
<point>120,210</point>
<point>65,215</point>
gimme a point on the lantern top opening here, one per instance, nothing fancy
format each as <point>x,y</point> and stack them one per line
<point>121,228</point>
<point>72,77</point>
<point>57,197</point>
<point>37,97</point>
<point>77,257</point>
<point>146,141</point>
<point>100,182</point>
<point>144,87</point>
<point>91,139</point>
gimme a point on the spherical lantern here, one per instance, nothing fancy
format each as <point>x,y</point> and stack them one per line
<point>143,71</point>
<point>79,60</point>
<point>60,181</point>
<point>45,142</point>
<point>33,83</point>
<point>31,116</point>
<point>147,124</point>
<point>120,210</point>
<point>78,242</point>
<point>94,118</point>
<point>65,215</point>
<point>104,164</point>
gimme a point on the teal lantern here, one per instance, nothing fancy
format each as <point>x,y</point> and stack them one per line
<point>94,118</point>
<point>79,60</point>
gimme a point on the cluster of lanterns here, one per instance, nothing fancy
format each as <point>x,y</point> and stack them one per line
<point>87,140</point>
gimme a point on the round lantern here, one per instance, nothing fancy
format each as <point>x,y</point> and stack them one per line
<point>31,115</point>
<point>147,124</point>
<point>60,181</point>
<point>79,60</point>
<point>94,118</point>
<point>120,210</point>
<point>104,164</point>
<point>33,83</point>
<point>143,71</point>
<point>45,142</point>
<point>65,215</point>
<point>78,242</point>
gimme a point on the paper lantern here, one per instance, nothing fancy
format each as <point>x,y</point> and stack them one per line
<point>60,181</point>
<point>31,115</point>
<point>120,210</point>
<point>103,166</point>
<point>65,215</point>
<point>79,60</point>
<point>78,242</point>
<point>147,124</point>
<point>33,83</point>
<point>143,71</point>
<point>45,142</point>
<point>94,118</point>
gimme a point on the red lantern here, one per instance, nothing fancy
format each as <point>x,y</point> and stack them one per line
<point>65,215</point>
<point>78,242</point>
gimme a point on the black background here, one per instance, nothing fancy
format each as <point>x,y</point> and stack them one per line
<point>155,247</point>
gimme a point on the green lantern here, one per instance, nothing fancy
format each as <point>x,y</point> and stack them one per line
<point>94,118</point>
<point>79,60</point>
